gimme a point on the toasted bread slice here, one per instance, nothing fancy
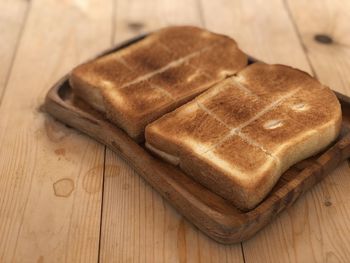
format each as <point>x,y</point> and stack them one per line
<point>238,137</point>
<point>140,83</point>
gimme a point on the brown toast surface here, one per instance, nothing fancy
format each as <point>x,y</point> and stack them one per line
<point>140,83</point>
<point>238,137</point>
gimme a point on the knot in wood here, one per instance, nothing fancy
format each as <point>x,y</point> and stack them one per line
<point>324,39</point>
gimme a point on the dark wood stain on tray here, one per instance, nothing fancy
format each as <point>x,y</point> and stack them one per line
<point>212,214</point>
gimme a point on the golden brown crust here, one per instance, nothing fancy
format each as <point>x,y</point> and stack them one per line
<point>191,122</point>
<point>224,170</point>
<point>231,98</point>
<point>87,91</point>
<point>271,82</point>
<point>156,75</point>
<point>266,119</point>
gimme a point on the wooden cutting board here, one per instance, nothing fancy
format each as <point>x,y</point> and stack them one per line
<point>212,214</point>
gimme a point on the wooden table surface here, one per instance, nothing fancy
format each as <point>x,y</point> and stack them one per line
<point>66,198</point>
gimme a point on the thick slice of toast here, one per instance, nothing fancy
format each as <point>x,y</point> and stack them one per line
<point>140,83</point>
<point>238,137</point>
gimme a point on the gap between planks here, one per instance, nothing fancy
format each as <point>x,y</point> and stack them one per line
<point>114,6</point>
<point>297,32</point>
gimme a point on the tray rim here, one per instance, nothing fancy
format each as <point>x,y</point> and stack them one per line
<point>223,227</point>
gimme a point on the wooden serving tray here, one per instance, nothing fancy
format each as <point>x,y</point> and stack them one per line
<point>212,214</point>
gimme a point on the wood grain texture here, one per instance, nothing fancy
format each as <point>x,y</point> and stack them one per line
<point>143,227</point>
<point>160,233</point>
<point>262,30</point>
<point>50,175</point>
<point>136,17</point>
<point>12,18</point>
<point>330,59</point>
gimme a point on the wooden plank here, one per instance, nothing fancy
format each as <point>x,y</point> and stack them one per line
<point>50,175</point>
<point>324,30</point>
<point>137,224</point>
<point>262,30</point>
<point>315,228</point>
<point>12,17</point>
<point>137,17</point>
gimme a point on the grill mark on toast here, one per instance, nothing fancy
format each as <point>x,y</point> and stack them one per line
<point>201,71</point>
<point>125,64</point>
<point>252,142</point>
<point>243,87</point>
<point>210,113</point>
<point>268,108</point>
<point>228,166</point>
<point>165,47</point>
<point>165,92</point>
<point>171,64</point>
<point>237,130</point>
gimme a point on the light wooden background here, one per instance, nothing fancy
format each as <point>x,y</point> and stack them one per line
<point>66,198</point>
